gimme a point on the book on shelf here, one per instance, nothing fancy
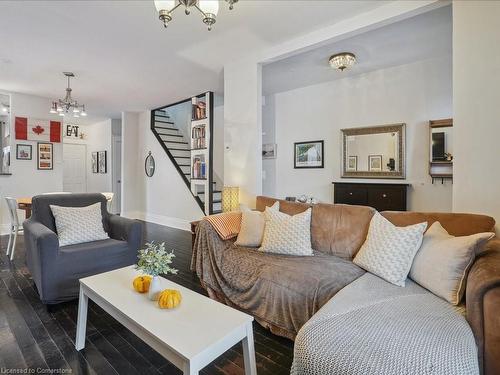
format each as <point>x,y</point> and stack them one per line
<point>199,110</point>
<point>198,137</point>
<point>199,168</point>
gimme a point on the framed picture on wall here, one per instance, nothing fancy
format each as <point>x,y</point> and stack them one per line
<point>23,152</point>
<point>308,154</point>
<point>375,163</point>
<point>45,156</point>
<point>102,160</point>
<point>352,163</point>
<point>269,151</point>
<point>95,166</point>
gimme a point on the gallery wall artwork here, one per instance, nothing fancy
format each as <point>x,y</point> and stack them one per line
<point>24,152</point>
<point>45,156</point>
<point>102,161</point>
<point>94,163</point>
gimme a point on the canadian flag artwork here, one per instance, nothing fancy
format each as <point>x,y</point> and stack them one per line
<point>38,130</point>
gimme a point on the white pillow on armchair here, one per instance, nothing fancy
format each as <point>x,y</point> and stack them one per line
<point>78,224</point>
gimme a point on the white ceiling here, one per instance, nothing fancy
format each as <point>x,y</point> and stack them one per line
<point>422,37</point>
<point>125,60</point>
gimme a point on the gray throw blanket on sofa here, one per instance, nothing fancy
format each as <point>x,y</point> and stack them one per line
<point>282,292</point>
<point>373,327</point>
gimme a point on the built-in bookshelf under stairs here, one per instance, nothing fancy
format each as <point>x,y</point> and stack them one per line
<point>189,146</point>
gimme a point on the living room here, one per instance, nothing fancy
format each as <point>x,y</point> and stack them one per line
<point>177,186</point>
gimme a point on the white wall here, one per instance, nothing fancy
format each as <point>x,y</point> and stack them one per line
<point>26,180</point>
<point>164,198</point>
<point>476,81</point>
<point>243,128</point>
<point>269,136</point>
<point>218,144</point>
<point>99,139</point>
<point>413,94</point>
<point>132,198</point>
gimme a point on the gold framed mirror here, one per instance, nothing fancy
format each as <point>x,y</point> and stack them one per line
<point>374,152</point>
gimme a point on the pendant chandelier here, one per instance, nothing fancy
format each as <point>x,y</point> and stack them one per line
<point>207,8</point>
<point>64,106</point>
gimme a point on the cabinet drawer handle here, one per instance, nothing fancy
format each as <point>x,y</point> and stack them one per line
<point>350,193</point>
<point>384,195</point>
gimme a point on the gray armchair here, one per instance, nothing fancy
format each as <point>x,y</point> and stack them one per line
<point>56,269</point>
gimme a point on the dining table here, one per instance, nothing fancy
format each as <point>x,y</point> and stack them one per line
<point>25,204</point>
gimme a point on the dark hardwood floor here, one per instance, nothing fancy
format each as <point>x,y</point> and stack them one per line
<point>31,337</point>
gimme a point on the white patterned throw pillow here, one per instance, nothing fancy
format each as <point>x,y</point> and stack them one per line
<point>285,234</point>
<point>389,250</point>
<point>78,224</point>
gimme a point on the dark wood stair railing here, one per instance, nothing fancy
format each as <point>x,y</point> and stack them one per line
<point>179,152</point>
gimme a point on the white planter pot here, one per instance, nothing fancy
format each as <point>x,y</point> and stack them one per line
<point>154,288</point>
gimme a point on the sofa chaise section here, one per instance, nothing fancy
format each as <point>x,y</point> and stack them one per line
<point>374,327</point>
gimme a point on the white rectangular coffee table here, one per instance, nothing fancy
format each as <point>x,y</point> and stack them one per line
<point>189,336</point>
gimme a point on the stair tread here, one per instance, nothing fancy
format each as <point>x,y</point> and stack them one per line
<point>213,192</point>
<point>165,128</point>
<point>164,122</point>
<point>184,165</point>
<point>179,149</point>
<point>181,157</point>
<point>216,211</point>
<point>171,135</point>
<point>162,115</point>
<point>182,143</point>
<point>217,201</point>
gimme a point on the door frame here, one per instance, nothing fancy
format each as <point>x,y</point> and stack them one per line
<point>116,173</point>
<point>85,161</point>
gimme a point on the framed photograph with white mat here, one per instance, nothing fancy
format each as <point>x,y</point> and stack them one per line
<point>375,163</point>
<point>45,156</point>
<point>24,152</point>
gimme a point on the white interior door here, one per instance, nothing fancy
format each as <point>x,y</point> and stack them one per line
<point>117,174</point>
<point>75,168</point>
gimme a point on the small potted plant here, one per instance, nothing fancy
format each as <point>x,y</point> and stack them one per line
<point>154,260</point>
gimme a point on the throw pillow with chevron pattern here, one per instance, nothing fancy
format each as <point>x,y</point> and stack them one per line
<point>285,234</point>
<point>389,250</point>
<point>78,224</point>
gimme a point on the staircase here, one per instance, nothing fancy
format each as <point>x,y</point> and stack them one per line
<point>178,149</point>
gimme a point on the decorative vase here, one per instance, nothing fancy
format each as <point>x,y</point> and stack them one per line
<point>154,288</point>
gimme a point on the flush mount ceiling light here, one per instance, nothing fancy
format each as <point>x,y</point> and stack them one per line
<point>343,60</point>
<point>66,105</point>
<point>207,8</point>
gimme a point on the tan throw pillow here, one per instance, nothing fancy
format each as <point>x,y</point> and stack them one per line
<point>389,250</point>
<point>442,263</point>
<point>252,227</point>
<point>285,234</point>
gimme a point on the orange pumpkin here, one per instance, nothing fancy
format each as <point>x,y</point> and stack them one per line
<point>141,283</point>
<point>169,299</point>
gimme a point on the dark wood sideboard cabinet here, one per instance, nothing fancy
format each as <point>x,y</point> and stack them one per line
<point>382,197</point>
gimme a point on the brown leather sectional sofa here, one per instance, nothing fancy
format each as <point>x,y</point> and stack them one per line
<point>340,230</point>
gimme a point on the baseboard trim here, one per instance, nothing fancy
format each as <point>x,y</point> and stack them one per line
<point>167,221</point>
